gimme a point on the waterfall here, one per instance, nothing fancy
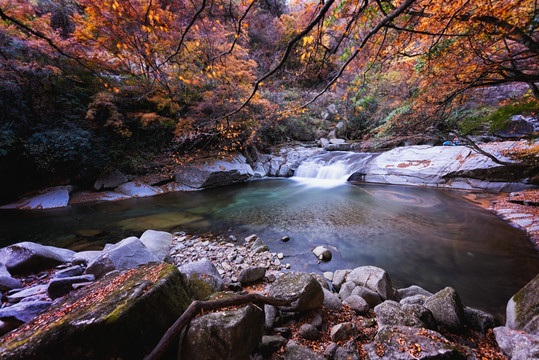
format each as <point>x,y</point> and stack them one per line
<point>331,168</point>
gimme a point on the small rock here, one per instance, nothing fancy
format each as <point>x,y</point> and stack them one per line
<point>270,314</point>
<point>412,291</point>
<point>27,292</point>
<point>298,352</point>
<point>322,253</point>
<point>346,289</point>
<point>343,331</point>
<point>284,331</point>
<point>251,274</point>
<point>69,272</point>
<point>331,300</point>
<point>329,353</point>
<point>270,344</point>
<point>280,256</point>
<point>24,311</point>
<point>251,238</point>
<point>339,278</point>
<point>285,238</point>
<point>316,320</point>
<point>63,286</point>
<point>309,332</point>
<point>357,303</point>
<point>328,275</point>
<point>372,298</point>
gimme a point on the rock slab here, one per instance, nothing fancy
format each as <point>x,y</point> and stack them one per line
<point>29,257</point>
<point>293,283</point>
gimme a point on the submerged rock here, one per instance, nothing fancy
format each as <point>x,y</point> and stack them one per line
<point>322,253</point>
<point>120,316</point>
<point>230,335</point>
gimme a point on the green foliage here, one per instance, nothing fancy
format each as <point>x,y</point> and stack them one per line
<point>500,118</point>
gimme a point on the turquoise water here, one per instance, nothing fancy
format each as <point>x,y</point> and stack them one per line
<point>422,236</point>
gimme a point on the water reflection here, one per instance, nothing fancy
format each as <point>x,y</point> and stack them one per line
<point>420,236</point>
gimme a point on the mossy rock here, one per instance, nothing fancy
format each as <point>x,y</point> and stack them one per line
<point>120,316</point>
<point>523,308</point>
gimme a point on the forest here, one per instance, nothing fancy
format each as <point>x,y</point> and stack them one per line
<point>88,84</point>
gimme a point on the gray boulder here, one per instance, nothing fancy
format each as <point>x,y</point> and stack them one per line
<point>343,331</point>
<point>24,311</point>
<point>339,278</point>
<point>415,299</point>
<point>230,334</point>
<point>29,257</point>
<point>7,282</point>
<point>422,313</point>
<point>346,289</point>
<point>478,320</point>
<point>157,242</point>
<point>270,344</point>
<point>220,173</point>
<point>347,352</point>
<point>331,300</point>
<point>390,313</point>
<point>417,343</point>
<point>203,278</point>
<point>447,309</point>
<point>127,254</point>
<point>120,316</point>
<point>373,278</point>
<point>372,298</point>
<point>62,286</point>
<point>413,291</point>
<point>357,303</point>
<point>322,253</point>
<point>516,344</point>
<point>311,295</point>
<point>109,179</point>
<point>299,352</point>
<point>136,189</point>
<point>27,292</point>
<point>523,308</point>
<point>85,257</point>
<point>309,332</point>
<point>251,274</point>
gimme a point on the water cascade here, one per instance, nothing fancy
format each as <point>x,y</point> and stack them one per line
<point>331,168</point>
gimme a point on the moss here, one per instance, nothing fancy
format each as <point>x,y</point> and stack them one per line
<point>198,288</point>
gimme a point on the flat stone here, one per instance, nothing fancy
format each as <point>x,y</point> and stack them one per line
<point>24,311</point>
<point>55,198</point>
<point>292,283</point>
<point>27,292</point>
<point>69,272</point>
<point>343,331</point>
<point>62,286</point>
<point>29,257</point>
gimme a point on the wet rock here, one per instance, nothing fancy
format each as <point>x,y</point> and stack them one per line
<point>285,238</point>
<point>447,309</point>
<point>85,257</point>
<point>311,295</point>
<point>252,274</point>
<point>478,320</point>
<point>373,278</point>
<point>389,313</point>
<point>157,242</point>
<point>7,282</point>
<point>357,303</point>
<point>516,344</point>
<point>298,352</point>
<point>112,312</point>
<point>415,299</point>
<point>343,331</point>
<point>322,253</point>
<point>523,308</point>
<point>339,278</point>
<point>24,311</point>
<point>28,257</point>
<point>372,298</point>
<point>422,313</point>
<point>203,278</point>
<point>52,198</point>
<point>270,344</point>
<point>109,179</point>
<point>309,332</point>
<point>230,334</point>
<point>126,254</point>
<point>331,300</point>
<point>389,343</point>
<point>258,246</point>
<point>69,272</point>
<point>63,286</point>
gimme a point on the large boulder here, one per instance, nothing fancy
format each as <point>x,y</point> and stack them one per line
<point>126,254</point>
<point>447,309</point>
<point>120,316</point>
<point>135,189</point>
<point>516,344</point>
<point>523,308</point>
<point>373,278</point>
<point>203,278</point>
<point>230,335</point>
<point>311,295</point>
<point>406,343</point>
<point>390,313</point>
<point>7,282</point>
<point>29,257</point>
<point>52,198</point>
<point>219,173</point>
<point>157,242</point>
<point>109,179</point>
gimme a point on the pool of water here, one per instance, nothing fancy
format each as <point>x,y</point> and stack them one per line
<point>432,238</point>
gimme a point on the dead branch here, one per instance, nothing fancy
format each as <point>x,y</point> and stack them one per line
<point>197,307</point>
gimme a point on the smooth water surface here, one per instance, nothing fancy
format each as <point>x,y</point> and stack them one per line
<point>422,236</point>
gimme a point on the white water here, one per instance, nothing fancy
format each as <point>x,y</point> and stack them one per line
<point>330,169</point>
